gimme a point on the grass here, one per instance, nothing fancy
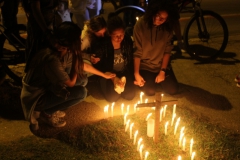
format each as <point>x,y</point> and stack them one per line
<point>107,139</point>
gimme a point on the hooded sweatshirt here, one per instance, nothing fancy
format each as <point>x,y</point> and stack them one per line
<point>151,45</point>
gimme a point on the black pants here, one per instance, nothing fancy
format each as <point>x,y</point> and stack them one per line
<point>169,85</point>
<point>111,95</point>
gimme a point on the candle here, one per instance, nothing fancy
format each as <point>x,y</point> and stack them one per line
<point>173,117</point>
<point>106,111</point>
<point>166,128</point>
<point>193,155</point>
<point>140,151</point>
<point>174,108</point>
<point>141,94</point>
<point>164,111</point>
<point>148,116</point>
<point>150,127</point>
<point>128,108</point>
<point>135,137</point>
<point>127,125</point>
<point>131,126</point>
<point>146,155</point>
<point>161,112</point>
<point>184,144</point>
<point>191,146</point>
<point>112,109</point>
<point>122,108</point>
<point>179,158</point>
<point>182,129</point>
<point>139,142</point>
<point>180,139</point>
<point>135,108</point>
<point>125,118</point>
<point>176,126</point>
<point>146,100</point>
<point>137,18</point>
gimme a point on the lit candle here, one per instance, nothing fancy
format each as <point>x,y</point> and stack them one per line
<point>141,94</point>
<point>127,125</point>
<point>125,118</point>
<point>166,125</point>
<point>180,139</point>
<point>135,137</point>
<point>150,127</point>
<point>182,129</point>
<point>112,109</point>
<point>137,18</point>
<point>191,146</point>
<point>148,116</point>
<point>128,108</point>
<point>139,142</point>
<point>146,100</point>
<point>135,108</point>
<point>106,111</point>
<point>184,144</point>
<point>131,126</point>
<point>193,155</point>
<point>179,158</point>
<point>173,117</point>
<point>174,108</point>
<point>140,151</point>
<point>161,112</point>
<point>146,155</point>
<point>122,108</point>
<point>164,111</point>
<point>176,126</point>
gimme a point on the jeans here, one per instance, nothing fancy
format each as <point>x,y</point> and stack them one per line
<point>51,103</point>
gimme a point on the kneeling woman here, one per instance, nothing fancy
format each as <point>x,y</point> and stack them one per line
<point>116,56</point>
<point>50,86</point>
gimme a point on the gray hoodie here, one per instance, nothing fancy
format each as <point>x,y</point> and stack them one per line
<point>151,44</point>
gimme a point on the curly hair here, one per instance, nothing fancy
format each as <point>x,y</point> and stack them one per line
<point>114,22</point>
<point>156,6</point>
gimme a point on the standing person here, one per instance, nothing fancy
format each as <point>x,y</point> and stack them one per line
<point>48,87</point>
<point>40,15</point>
<point>63,11</point>
<point>84,10</point>
<point>116,56</point>
<point>152,36</point>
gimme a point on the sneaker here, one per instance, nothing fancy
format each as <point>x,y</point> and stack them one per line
<point>59,114</point>
<point>181,46</point>
<point>53,121</point>
<point>237,79</point>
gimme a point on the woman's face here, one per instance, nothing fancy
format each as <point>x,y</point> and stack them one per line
<point>160,18</point>
<point>100,33</point>
<point>117,35</point>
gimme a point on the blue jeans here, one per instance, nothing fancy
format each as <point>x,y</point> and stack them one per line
<point>51,103</point>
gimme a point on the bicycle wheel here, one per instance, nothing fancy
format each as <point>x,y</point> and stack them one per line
<point>206,42</point>
<point>130,15</point>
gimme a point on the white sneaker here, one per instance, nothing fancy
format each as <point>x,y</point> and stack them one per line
<point>59,114</point>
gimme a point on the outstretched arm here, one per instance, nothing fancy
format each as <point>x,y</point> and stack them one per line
<point>91,69</point>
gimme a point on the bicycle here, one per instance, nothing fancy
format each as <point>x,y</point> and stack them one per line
<point>14,55</point>
<point>206,33</point>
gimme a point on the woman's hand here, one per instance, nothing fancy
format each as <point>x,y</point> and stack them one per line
<point>94,60</point>
<point>160,77</point>
<point>109,75</point>
<point>139,80</point>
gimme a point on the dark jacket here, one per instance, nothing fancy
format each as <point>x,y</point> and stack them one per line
<point>106,53</point>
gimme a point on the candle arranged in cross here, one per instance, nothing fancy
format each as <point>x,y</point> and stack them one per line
<point>157,105</point>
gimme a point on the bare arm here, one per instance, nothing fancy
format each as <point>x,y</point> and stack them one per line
<point>91,69</point>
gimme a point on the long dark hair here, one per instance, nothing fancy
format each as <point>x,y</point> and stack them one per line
<point>68,35</point>
<point>154,7</point>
